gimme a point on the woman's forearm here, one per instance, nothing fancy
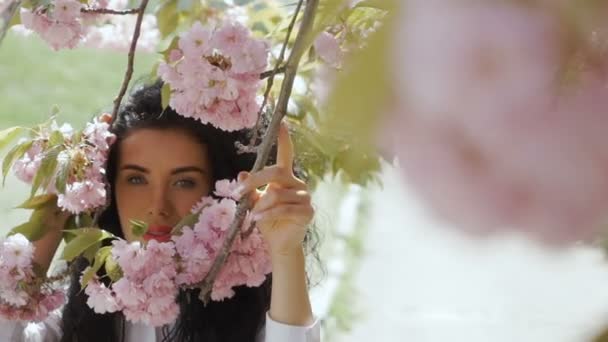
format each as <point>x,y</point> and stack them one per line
<point>290,303</point>
<point>46,247</point>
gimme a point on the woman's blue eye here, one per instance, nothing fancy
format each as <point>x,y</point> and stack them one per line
<point>186,183</point>
<point>135,180</point>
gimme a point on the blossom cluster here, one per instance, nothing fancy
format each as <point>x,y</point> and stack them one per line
<point>153,273</point>
<point>23,296</point>
<point>86,155</point>
<point>60,25</point>
<point>214,75</point>
<point>493,129</point>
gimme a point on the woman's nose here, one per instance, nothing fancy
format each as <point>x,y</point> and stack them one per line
<point>160,204</point>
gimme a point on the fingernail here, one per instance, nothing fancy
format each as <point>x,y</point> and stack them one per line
<point>256,217</point>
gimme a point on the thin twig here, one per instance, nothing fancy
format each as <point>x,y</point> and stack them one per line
<point>303,40</point>
<point>6,16</point>
<point>277,66</point>
<point>110,11</point>
<point>269,73</point>
<point>129,72</point>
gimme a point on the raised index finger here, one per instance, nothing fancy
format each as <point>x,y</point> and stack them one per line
<point>285,150</point>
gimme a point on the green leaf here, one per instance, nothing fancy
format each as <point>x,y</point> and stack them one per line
<point>173,44</point>
<point>47,169</point>
<point>39,202</point>
<point>69,229</point>
<point>85,220</point>
<point>16,19</point>
<point>113,269</point>
<point>100,259</point>
<point>85,239</point>
<point>13,155</point>
<point>56,138</point>
<point>34,228</point>
<point>138,227</point>
<point>167,18</point>
<point>353,107</point>
<point>90,252</point>
<point>165,95</point>
<point>10,134</point>
<point>184,5</point>
<point>64,166</point>
<point>188,221</point>
<point>378,4</point>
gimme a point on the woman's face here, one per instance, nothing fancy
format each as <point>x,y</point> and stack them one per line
<point>161,175</point>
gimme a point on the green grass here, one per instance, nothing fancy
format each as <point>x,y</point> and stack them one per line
<point>34,79</point>
<point>81,82</point>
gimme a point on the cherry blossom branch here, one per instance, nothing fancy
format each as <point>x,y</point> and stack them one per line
<point>110,11</point>
<point>270,81</point>
<point>131,58</point>
<point>302,43</point>
<point>6,16</point>
<point>270,73</point>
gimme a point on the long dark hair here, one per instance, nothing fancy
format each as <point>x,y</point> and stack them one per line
<point>239,319</point>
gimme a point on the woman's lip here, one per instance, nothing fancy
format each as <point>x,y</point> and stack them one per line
<point>159,229</point>
<point>166,237</point>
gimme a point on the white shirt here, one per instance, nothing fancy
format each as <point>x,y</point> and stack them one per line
<point>49,330</point>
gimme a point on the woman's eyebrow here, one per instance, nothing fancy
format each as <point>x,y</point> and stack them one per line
<point>188,169</point>
<point>173,172</point>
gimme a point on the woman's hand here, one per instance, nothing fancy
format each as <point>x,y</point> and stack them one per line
<point>283,209</point>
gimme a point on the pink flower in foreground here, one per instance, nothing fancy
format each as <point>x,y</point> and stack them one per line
<point>540,169</point>
<point>328,48</point>
<point>456,58</point>
<point>100,298</point>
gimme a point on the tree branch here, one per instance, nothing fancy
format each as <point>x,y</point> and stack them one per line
<point>131,58</point>
<point>273,72</point>
<point>302,43</point>
<point>110,11</point>
<point>6,16</point>
<point>270,81</point>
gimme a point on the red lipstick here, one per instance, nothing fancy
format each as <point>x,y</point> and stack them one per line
<point>160,233</point>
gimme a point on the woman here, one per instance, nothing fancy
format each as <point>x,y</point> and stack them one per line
<point>159,167</point>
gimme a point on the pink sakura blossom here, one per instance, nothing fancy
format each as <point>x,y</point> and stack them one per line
<point>22,297</point>
<point>17,252</point>
<point>26,167</point>
<point>147,291</point>
<point>328,48</point>
<point>60,28</point>
<point>85,188</point>
<point>485,135</point>
<point>196,42</point>
<point>101,299</point>
<point>460,58</point>
<point>152,274</point>
<point>214,75</point>
<point>82,196</point>
<point>249,262</point>
<point>66,10</point>
<point>98,133</point>
<point>231,37</point>
<point>226,188</point>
